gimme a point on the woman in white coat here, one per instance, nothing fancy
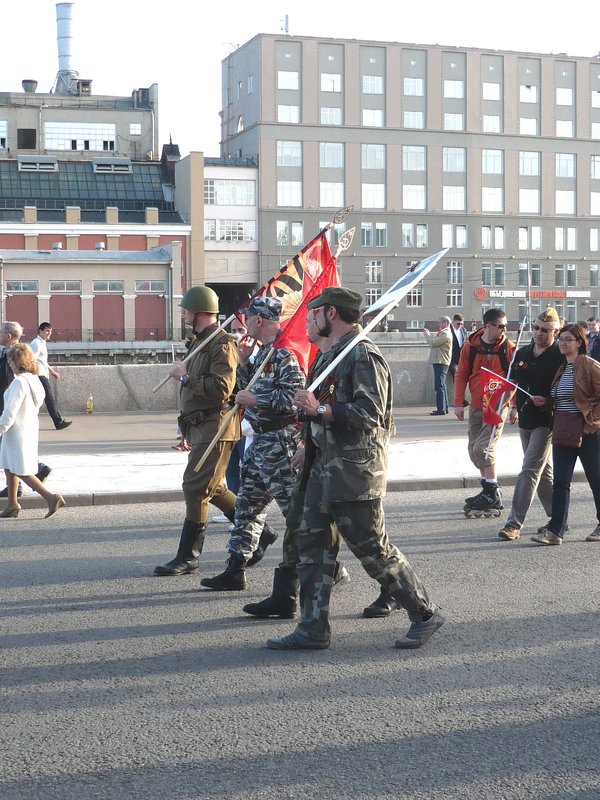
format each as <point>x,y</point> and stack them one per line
<point>19,428</point>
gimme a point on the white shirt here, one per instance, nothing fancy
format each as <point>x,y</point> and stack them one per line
<point>40,349</point>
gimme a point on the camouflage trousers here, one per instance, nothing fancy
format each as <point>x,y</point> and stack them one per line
<point>266,474</point>
<point>361,524</point>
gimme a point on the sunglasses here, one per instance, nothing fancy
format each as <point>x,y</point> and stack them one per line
<point>500,327</point>
<point>539,328</point>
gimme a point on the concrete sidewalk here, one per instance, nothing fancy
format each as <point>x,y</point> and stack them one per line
<point>126,458</point>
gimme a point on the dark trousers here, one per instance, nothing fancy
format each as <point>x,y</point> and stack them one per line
<point>564,460</point>
<point>55,414</point>
<point>232,476</point>
<point>439,384</point>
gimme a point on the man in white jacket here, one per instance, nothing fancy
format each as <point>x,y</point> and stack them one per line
<point>40,348</point>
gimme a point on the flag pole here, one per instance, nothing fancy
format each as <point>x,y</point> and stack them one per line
<point>508,371</point>
<point>191,355</point>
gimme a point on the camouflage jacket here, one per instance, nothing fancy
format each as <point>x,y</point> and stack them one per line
<point>207,396</point>
<point>275,389</point>
<point>354,447</point>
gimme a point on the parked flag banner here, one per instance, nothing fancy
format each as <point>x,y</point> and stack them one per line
<point>304,277</point>
<point>494,387</point>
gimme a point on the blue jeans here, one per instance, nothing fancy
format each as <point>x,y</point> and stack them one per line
<point>564,459</point>
<point>439,384</point>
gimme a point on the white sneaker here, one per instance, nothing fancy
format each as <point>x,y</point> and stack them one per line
<point>219,518</point>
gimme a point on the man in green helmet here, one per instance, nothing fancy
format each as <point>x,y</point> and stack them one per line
<point>207,385</point>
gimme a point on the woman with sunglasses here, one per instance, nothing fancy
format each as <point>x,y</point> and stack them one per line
<point>575,390</point>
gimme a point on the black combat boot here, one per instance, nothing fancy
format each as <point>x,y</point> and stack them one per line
<point>190,547</point>
<point>232,580</point>
<point>283,600</point>
<point>383,606</point>
<point>267,537</point>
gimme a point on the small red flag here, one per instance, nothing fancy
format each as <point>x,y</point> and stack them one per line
<point>494,386</point>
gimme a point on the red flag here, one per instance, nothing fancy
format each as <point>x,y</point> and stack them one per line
<point>494,386</point>
<point>303,277</point>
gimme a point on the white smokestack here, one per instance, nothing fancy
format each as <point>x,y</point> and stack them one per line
<point>66,80</point>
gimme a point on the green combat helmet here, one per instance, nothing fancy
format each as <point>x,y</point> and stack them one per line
<point>200,299</point>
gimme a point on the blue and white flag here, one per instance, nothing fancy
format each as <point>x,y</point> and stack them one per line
<point>407,282</point>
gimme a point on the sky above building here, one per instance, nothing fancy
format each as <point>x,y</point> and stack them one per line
<point>122,45</point>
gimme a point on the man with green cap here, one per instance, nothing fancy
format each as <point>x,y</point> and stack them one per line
<point>351,424</point>
<point>207,384</point>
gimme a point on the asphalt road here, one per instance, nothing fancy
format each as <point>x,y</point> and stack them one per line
<point>122,686</point>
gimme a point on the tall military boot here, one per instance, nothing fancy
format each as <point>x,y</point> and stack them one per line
<point>283,602</point>
<point>267,537</point>
<point>190,547</point>
<point>232,580</point>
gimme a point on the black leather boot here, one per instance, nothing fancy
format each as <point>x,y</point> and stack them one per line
<point>283,602</point>
<point>267,537</point>
<point>382,607</point>
<point>232,580</point>
<point>190,547</point>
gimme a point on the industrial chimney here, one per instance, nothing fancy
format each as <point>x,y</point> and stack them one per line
<point>66,79</point>
<point>29,85</point>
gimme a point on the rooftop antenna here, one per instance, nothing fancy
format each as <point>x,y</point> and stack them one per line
<point>285,24</point>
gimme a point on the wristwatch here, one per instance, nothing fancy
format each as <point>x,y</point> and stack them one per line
<point>320,411</point>
<point>184,378</point>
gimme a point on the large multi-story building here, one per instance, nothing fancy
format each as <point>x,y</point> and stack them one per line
<point>493,154</point>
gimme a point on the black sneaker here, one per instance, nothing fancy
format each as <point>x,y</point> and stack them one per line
<point>63,424</point>
<point>43,472</point>
<point>4,492</point>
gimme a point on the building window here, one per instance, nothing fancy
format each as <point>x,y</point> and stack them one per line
<point>289,154</point>
<point>454,90</point>
<point>141,287</point>
<point>422,235</point>
<point>491,162</point>
<point>572,275</point>
<point>416,119</point>
<point>594,276</point>
<point>210,230</point>
<point>453,159</point>
<point>530,238</point>
<point>595,167</point>
<point>413,197</point>
<point>237,230</point>
<point>381,237</point>
<point>373,272</point>
<point>453,198</point>
<point>135,128</point>
<point>282,232</point>
<point>372,156</point>
<point>366,234</point>
<point>250,84</point>
<point>529,163</point>
<point>289,193</point>
<point>486,237</point>
<point>564,128</point>
<point>372,296</point>
<point>565,165</point>
<point>288,80</point>
<point>414,87</point>
<point>594,240</point>
<point>565,239</point>
<point>490,91</point>
<point>453,122</point>
<point>499,237</point>
<point>454,298</point>
<point>492,199</point>
<point>372,118</point>
<point>414,299</point>
<point>454,272</point>
<point>528,126</point>
<point>290,114</point>
<point>331,82</point>
<point>564,97</point>
<point>239,90</point>
<point>229,192</point>
<point>22,287</point>
<point>331,116</point>
<point>372,84</point>
<point>559,275</point>
<point>73,287</point>
<point>413,158</point>
<point>595,130</point>
<point>565,201</point>
<point>491,272</point>
<point>297,234</point>
<point>407,235</point>
<point>331,195</point>
<point>528,94</point>
<point>79,136</point>
<point>373,195</point>
<point>447,235</point>
<point>108,287</point>
<point>529,201</point>
<point>331,154</point>
<point>595,203</point>
<point>3,133</point>
<point>595,98</point>
<point>491,123</point>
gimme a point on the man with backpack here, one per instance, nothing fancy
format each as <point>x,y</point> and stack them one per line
<point>486,347</point>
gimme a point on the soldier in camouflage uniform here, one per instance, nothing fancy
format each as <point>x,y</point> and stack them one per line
<point>207,384</point>
<point>267,473</point>
<point>350,434</point>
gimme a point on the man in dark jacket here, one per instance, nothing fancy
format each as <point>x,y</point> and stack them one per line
<point>351,425</point>
<point>534,368</point>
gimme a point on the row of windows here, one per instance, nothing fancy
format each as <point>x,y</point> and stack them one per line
<point>229,192</point>
<point>451,121</point>
<point>229,230</point>
<point>414,198</point>
<point>415,87</point>
<point>454,159</point>
<point>416,235</point>
<point>77,135</point>
<point>99,287</point>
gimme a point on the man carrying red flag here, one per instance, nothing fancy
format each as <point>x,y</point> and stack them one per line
<point>493,389</point>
